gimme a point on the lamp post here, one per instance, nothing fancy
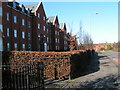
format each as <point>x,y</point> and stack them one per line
<point>96,13</point>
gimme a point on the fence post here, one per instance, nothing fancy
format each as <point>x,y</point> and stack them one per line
<point>40,74</point>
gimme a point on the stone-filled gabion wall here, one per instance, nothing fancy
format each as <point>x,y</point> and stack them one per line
<point>57,65</point>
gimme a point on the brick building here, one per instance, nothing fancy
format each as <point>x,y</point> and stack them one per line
<point>54,33</point>
<point>28,28</point>
<point>63,37</point>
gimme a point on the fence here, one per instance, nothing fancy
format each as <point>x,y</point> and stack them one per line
<point>57,65</point>
<point>23,77</point>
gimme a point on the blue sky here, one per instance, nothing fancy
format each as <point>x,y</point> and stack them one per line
<point>102,27</point>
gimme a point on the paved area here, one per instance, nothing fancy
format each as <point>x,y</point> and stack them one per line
<point>101,73</point>
<point>113,55</point>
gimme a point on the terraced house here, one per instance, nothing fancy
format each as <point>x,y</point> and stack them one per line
<point>27,28</point>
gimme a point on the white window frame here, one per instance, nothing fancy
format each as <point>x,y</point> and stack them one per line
<point>47,30</point>
<point>38,25</point>
<point>15,19</point>
<point>15,33</point>
<point>23,9</point>
<point>23,34</point>
<point>38,15</point>
<point>39,47</point>
<point>14,4</point>
<point>47,39</point>
<point>44,36</point>
<point>8,16</point>
<point>15,46</point>
<point>44,28</point>
<point>38,36</point>
<point>56,40</point>
<point>23,46</point>
<point>29,24</point>
<point>56,47</point>
<point>23,22</point>
<point>44,18</point>
<point>55,32</point>
<point>29,36</point>
<point>8,32</point>
<point>0,11</point>
<point>8,46</point>
<point>29,46</point>
<point>1,29</point>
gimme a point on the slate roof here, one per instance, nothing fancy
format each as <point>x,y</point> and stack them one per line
<point>31,7</point>
<point>61,25</point>
<point>51,19</point>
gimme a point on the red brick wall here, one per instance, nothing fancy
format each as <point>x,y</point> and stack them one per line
<point>18,26</point>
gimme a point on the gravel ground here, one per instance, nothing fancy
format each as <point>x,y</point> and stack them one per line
<point>101,73</point>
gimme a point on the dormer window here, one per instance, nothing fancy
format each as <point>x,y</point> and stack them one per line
<point>28,12</point>
<point>23,9</point>
<point>14,4</point>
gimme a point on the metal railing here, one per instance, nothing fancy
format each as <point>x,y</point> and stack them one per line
<point>20,77</point>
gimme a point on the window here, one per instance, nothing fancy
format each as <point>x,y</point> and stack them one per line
<point>38,36</point>
<point>14,4</point>
<point>44,36</point>
<point>23,9</point>
<point>15,46</point>
<point>56,47</point>
<point>38,26</point>
<point>56,40</point>
<point>23,22</point>
<point>47,39</point>
<point>38,15</point>
<point>1,45</point>
<point>23,46</point>
<point>44,18</point>
<point>44,28</point>
<point>29,24</point>
<point>47,30</point>
<point>15,19</point>
<point>55,32</point>
<point>29,46</point>
<point>65,42</point>
<point>8,32</point>
<point>8,46</point>
<point>23,35</point>
<point>28,12</point>
<point>1,28</point>
<point>7,16</point>
<point>0,11</point>
<point>15,33</point>
<point>29,36</point>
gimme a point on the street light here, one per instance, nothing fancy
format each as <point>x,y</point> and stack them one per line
<point>96,13</point>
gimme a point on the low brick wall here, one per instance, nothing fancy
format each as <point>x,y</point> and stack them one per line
<point>57,65</point>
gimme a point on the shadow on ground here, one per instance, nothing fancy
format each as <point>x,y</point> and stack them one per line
<point>94,65</point>
<point>106,83</point>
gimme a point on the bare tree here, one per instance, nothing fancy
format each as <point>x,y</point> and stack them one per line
<point>85,40</point>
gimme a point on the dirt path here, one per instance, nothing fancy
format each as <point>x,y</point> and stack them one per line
<point>101,73</point>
